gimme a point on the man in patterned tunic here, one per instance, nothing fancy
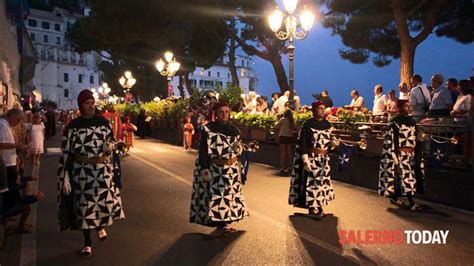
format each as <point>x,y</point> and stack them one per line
<point>397,166</point>
<point>311,186</point>
<point>88,197</point>
<point>217,199</point>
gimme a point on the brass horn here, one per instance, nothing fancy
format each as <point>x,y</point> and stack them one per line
<point>251,146</point>
<point>361,143</point>
<point>426,136</point>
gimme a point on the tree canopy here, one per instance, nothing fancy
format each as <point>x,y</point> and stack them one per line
<point>383,30</point>
<point>138,32</point>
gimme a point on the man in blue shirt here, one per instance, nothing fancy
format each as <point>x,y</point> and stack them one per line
<point>441,100</point>
<point>452,85</point>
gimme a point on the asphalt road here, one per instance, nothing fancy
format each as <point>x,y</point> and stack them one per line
<point>157,180</point>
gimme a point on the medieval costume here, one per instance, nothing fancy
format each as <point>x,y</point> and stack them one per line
<point>217,200</point>
<point>115,122</point>
<point>128,132</point>
<point>312,189</point>
<point>188,132</point>
<point>397,166</point>
<point>88,197</point>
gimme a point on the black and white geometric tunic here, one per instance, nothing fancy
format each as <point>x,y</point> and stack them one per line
<point>220,200</point>
<point>94,200</point>
<point>398,179</point>
<point>312,189</point>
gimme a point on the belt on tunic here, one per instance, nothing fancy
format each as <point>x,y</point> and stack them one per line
<point>407,149</point>
<point>319,151</point>
<point>93,160</point>
<point>221,162</point>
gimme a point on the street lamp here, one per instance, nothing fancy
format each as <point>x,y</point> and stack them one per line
<point>168,68</point>
<point>127,81</point>
<point>290,32</point>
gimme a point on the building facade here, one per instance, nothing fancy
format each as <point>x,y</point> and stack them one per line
<point>60,73</point>
<point>218,75</point>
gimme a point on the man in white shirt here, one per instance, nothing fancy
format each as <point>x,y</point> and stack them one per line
<point>420,98</point>
<point>357,102</point>
<point>279,104</point>
<point>441,102</point>
<point>379,100</point>
<point>404,91</point>
<point>8,151</point>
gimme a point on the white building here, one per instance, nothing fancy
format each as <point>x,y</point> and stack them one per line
<point>219,75</point>
<point>60,73</point>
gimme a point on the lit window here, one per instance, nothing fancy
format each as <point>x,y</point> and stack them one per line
<point>243,72</point>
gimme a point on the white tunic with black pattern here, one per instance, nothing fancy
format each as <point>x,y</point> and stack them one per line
<point>220,200</point>
<point>95,200</point>
<point>312,189</point>
<point>401,176</point>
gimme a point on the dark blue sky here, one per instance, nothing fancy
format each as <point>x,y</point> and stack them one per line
<point>318,66</point>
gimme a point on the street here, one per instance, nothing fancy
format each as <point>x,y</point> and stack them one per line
<point>157,179</point>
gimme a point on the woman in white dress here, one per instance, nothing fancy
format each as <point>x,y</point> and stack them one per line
<point>36,139</point>
<point>462,106</point>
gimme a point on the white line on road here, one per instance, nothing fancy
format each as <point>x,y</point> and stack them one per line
<point>264,217</point>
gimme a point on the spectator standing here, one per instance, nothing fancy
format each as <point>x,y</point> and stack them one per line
<point>391,103</point>
<point>441,102</point>
<point>286,126</point>
<point>279,105</point>
<point>404,91</point>
<point>452,85</point>
<point>463,101</point>
<point>326,99</point>
<point>50,123</point>
<point>420,98</point>
<point>275,97</point>
<point>36,140</point>
<point>379,100</point>
<point>357,102</point>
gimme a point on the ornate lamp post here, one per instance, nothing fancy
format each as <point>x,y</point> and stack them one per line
<point>127,81</point>
<point>305,21</point>
<point>168,68</point>
<point>104,91</point>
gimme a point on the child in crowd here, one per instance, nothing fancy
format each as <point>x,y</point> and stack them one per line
<point>188,130</point>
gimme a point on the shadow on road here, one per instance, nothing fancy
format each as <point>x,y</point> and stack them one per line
<point>196,249</point>
<point>321,240</point>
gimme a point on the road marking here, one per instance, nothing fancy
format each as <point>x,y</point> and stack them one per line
<point>264,217</point>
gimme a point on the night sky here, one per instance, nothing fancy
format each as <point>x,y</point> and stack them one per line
<point>318,66</point>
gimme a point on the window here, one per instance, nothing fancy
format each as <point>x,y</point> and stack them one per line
<point>242,72</point>
<point>243,63</point>
<point>201,83</point>
<point>248,64</point>
<point>58,40</point>
<point>91,79</point>
<point>32,36</point>
<point>79,78</point>
<point>66,93</point>
<point>45,25</point>
<point>193,82</point>
<point>68,25</point>
<point>228,75</point>
<point>218,74</point>
<point>202,73</point>
<point>57,27</point>
<point>208,73</point>
<point>45,38</point>
<point>32,22</point>
<point>66,77</point>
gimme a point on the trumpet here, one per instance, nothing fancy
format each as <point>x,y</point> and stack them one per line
<point>426,136</point>
<point>116,146</point>
<point>361,143</point>
<point>251,146</point>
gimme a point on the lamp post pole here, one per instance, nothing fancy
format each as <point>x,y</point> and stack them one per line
<point>168,68</point>
<point>276,19</point>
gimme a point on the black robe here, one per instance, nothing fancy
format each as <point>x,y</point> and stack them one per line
<point>399,179</point>
<point>312,189</point>
<point>220,200</point>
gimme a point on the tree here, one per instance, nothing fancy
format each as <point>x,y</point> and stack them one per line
<point>139,32</point>
<point>253,34</point>
<point>384,30</point>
